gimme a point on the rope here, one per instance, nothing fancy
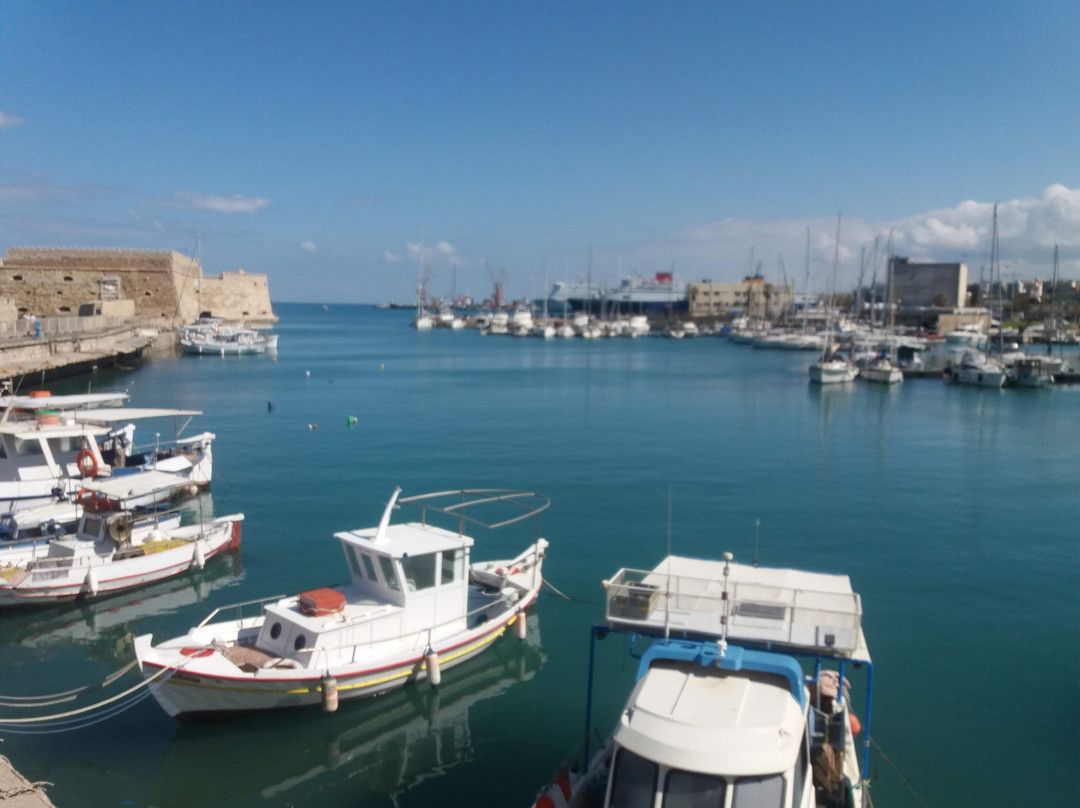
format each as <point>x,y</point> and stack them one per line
<point>551,586</point>
<point>27,702</point>
<point>907,784</point>
<point>9,725</point>
<point>18,791</point>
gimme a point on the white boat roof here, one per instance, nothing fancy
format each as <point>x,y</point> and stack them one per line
<point>29,429</point>
<point>407,539</point>
<point>62,402</point>
<point>136,484</point>
<point>785,608</point>
<point>109,415</point>
<point>712,721</point>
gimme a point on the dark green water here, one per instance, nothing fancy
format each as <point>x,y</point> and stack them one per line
<point>953,510</point>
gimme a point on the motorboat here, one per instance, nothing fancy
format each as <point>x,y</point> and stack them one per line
<point>415,604</point>
<point>1032,371</point>
<point>227,340</point>
<point>977,370</point>
<point>52,445</point>
<point>742,697</point>
<point>111,551</point>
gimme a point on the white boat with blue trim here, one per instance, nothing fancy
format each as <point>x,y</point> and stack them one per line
<point>741,699</point>
<point>415,605</point>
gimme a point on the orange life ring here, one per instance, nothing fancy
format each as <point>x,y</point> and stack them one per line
<point>87,463</point>
<point>84,497</point>
<point>856,725</point>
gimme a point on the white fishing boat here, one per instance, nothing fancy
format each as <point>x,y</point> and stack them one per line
<point>51,446</point>
<point>1033,371</point>
<point>111,551</point>
<point>741,699</point>
<point>415,605</point>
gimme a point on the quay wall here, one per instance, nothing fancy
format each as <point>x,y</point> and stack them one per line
<point>163,285</point>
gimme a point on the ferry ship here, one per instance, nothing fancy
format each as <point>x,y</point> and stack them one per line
<point>661,293</point>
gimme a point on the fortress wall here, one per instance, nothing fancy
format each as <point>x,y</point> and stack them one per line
<point>238,296</point>
<point>163,285</point>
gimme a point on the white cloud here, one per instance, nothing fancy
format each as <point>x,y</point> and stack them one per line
<point>442,253</point>
<point>1028,229</point>
<point>7,120</point>
<point>308,246</point>
<point>391,257</point>
<point>218,204</point>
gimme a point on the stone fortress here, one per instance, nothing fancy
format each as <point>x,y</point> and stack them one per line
<point>160,288</point>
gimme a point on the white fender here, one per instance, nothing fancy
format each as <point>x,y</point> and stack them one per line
<point>91,581</point>
<point>431,660</point>
<point>198,558</point>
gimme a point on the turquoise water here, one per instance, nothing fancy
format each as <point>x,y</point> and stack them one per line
<point>953,510</point>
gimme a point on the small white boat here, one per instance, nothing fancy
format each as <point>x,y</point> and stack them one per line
<point>833,370</point>
<point>880,369</point>
<point>723,713</point>
<point>415,605</point>
<point>565,331</point>
<point>1032,371</point>
<point>227,340</point>
<point>111,551</point>
<point>976,370</point>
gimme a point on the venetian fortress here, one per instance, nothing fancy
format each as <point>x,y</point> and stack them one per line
<point>159,288</point>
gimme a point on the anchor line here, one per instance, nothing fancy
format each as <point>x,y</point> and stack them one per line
<point>906,783</point>
<point>28,702</point>
<point>551,586</point>
<point>109,706</point>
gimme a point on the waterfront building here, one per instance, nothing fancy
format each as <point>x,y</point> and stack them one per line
<point>937,284</point>
<point>752,296</point>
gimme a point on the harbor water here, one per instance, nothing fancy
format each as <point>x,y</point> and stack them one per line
<point>954,511</point>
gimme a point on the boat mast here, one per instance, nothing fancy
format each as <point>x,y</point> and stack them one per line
<point>832,295</point>
<point>1053,308</point>
<point>995,259</point>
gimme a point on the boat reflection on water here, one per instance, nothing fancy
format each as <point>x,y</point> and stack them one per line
<point>107,625</point>
<point>388,744</point>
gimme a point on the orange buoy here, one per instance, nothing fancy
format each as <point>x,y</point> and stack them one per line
<point>856,727</point>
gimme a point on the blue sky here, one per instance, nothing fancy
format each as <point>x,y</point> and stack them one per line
<point>339,146</point>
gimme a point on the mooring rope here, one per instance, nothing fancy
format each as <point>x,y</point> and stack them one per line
<point>551,586</point>
<point>111,708</point>
<point>28,702</point>
<point>907,783</point>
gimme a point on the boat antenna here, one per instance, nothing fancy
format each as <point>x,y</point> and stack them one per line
<point>757,537</point>
<point>384,523</point>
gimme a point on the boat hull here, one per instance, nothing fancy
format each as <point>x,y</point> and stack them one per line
<point>51,584</point>
<point>190,694</point>
<point>832,373</point>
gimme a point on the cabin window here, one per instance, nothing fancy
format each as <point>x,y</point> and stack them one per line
<point>28,447</point>
<point>690,790</point>
<point>91,526</point>
<point>369,567</point>
<point>759,792</point>
<point>69,443</point>
<point>419,571</point>
<point>300,642</point>
<point>633,781</point>
<point>275,631</point>
<point>453,562</point>
<point>354,565</point>
<point>386,566</point>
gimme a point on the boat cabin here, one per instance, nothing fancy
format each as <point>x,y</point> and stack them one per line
<point>741,730</point>
<point>409,586</point>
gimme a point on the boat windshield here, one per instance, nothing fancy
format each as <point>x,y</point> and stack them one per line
<point>691,790</point>
<point>633,781</point>
<point>759,792</point>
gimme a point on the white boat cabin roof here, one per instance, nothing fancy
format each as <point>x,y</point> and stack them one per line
<point>135,485</point>
<point>62,402</point>
<point>402,540</point>
<point>783,608</point>
<point>681,713</point>
<point>25,430</point>
<point>109,415</point>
